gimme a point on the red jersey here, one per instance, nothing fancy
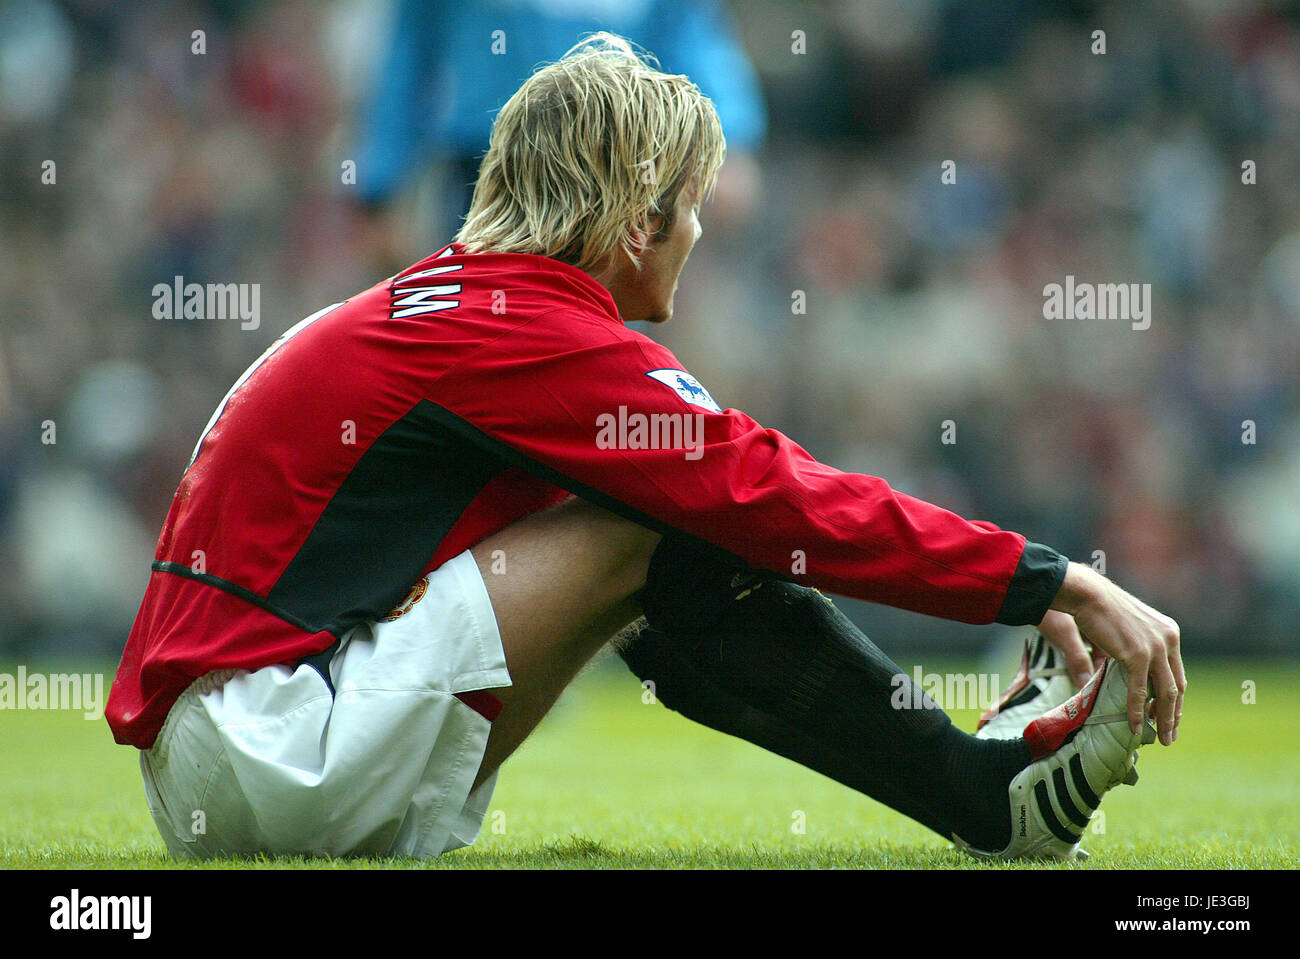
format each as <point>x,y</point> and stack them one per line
<point>386,434</point>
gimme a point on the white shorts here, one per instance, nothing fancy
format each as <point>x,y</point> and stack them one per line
<point>272,761</point>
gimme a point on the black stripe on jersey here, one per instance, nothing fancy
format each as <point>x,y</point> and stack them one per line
<point>383,523</point>
<point>472,434</point>
<point>390,515</point>
<point>180,569</point>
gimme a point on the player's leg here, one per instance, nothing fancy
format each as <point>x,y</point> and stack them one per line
<point>570,575</point>
<point>782,668</point>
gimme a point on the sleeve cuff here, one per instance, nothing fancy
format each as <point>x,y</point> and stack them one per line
<point>1033,586</point>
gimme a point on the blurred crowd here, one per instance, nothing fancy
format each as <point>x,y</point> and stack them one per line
<point>889,321</point>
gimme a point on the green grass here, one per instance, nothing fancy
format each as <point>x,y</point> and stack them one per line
<point>610,782</point>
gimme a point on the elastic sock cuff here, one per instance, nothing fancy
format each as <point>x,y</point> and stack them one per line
<point>688,584</point>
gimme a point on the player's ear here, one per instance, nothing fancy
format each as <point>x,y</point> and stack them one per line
<point>646,234</point>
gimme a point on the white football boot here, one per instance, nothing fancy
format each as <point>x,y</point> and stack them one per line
<point>1043,683</point>
<point>1080,750</point>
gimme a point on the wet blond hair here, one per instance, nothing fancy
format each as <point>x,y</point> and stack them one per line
<point>587,152</point>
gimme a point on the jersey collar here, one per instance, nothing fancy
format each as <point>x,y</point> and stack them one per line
<point>585,283</point>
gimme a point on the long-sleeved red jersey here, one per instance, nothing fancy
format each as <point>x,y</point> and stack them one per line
<point>384,435</point>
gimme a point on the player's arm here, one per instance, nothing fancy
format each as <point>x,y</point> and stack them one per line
<point>559,383</point>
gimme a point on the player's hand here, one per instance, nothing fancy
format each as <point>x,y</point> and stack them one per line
<point>1145,640</point>
<point>1062,631</point>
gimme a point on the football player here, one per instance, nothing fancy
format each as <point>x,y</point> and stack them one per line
<point>485,426</point>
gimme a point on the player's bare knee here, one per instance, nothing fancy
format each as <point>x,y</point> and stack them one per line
<point>605,555</point>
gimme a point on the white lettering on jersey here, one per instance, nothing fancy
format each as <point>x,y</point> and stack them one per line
<point>418,300</point>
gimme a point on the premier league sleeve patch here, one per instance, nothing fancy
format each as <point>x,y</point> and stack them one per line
<point>687,387</point>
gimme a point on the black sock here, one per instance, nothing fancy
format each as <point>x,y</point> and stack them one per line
<point>781,667</point>
<point>977,773</point>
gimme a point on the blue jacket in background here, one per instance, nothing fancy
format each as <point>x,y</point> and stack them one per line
<point>439,85</point>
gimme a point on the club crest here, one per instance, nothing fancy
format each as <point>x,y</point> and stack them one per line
<point>414,596</point>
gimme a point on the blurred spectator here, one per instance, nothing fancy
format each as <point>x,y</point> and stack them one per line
<point>862,306</point>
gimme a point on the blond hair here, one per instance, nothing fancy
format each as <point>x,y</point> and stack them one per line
<point>587,152</point>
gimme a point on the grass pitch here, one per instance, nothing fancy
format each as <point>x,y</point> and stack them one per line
<point>610,781</point>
